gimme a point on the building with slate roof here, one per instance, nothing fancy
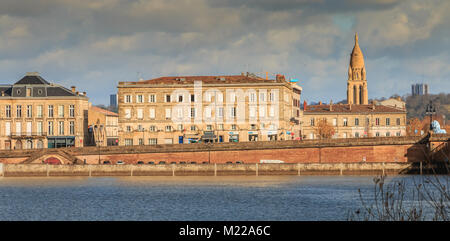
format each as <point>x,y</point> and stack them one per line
<point>35,113</point>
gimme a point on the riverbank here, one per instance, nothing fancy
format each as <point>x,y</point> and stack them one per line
<point>260,169</point>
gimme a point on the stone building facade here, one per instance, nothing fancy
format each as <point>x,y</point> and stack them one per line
<point>186,109</point>
<point>103,127</point>
<point>37,114</point>
<point>353,121</point>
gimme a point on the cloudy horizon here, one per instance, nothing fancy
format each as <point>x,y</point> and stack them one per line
<point>95,44</point>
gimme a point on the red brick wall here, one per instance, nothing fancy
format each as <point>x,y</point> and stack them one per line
<point>382,153</point>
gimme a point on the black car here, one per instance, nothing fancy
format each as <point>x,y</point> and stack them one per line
<point>192,162</point>
<point>182,162</point>
<point>140,162</point>
<point>239,162</point>
<point>106,162</point>
<point>151,163</point>
<point>204,162</point>
<point>173,163</point>
<point>229,162</point>
<point>162,162</point>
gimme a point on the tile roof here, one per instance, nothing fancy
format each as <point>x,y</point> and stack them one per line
<point>227,79</point>
<point>101,110</point>
<point>345,108</point>
<point>32,80</point>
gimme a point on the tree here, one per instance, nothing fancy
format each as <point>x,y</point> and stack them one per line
<point>324,130</point>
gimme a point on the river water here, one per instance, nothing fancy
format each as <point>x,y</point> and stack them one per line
<point>183,198</point>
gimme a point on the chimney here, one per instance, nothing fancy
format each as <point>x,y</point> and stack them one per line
<point>73,89</point>
<point>331,105</point>
<point>280,77</point>
<point>304,105</point>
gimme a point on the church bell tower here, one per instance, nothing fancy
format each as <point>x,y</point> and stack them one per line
<point>357,83</point>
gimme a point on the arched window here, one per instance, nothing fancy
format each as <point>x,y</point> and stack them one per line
<point>40,144</point>
<point>360,94</point>
<point>355,94</point>
<point>29,144</point>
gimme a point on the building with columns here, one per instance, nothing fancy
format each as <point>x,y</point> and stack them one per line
<point>357,82</point>
<point>37,114</point>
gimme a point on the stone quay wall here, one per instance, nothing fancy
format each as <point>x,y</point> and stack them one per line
<point>45,170</point>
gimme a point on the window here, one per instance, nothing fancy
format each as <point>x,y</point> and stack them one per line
<point>262,97</point>
<point>19,111</point>
<point>377,121</point>
<point>8,111</point>
<point>61,111</point>
<point>29,111</point>
<point>128,142</point>
<point>167,98</point>
<point>140,113</point>
<point>153,128</point>
<point>139,98</point>
<point>152,141</point>
<point>253,126</point>
<point>271,97</point>
<point>61,128</point>
<point>152,99</point>
<point>193,128</point>
<point>152,113</point>
<point>398,133</point>
<point>252,112</point>
<point>312,121</point>
<point>39,111</point>
<point>345,122</point>
<point>356,122</point>
<point>128,113</point>
<point>7,128</point>
<point>127,98</point>
<point>39,128</point>
<point>192,98</point>
<point>220,126</point>
<point>128,128</point>
<point>180,98</point>
<point>233,112</point>
<point>28,92</point>
<point>192,112</point>
<point>50,111</point>
<point>388,121</point>
<point>141,141</point>
<point>140,128</point>
<point>334,122</point>
<point>233,127</point>
<point>71,110</point>
<point>252,97</point>
<point>209,127</point>
<point>50,128</point>
<point>72,128</point>
<point>19,128</point>
<point>180,127</point>
<point>220,112</point>
<point>377,134</point>
<point>168,128</point>
<point>356,134</point>
<point>168,113</point>
<point>388,134</point>
<point>398,121</point>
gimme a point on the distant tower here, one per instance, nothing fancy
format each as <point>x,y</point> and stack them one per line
<point>357,82</point>
<point>113,100</point>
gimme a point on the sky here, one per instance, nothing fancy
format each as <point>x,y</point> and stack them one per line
<point>95,44</point>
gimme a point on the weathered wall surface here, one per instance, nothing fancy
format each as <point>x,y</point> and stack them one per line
<point>11,170</point>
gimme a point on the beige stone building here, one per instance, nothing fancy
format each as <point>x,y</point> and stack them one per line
<point>357,118</point>
<point>103,127</point>
<point>350,121</point>
<point>37,114</point>
<point>393,102</point>
<point>186,109</point>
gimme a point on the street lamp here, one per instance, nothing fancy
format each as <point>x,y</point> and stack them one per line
<point>430,110</point>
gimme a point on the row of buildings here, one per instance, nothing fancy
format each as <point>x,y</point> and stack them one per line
<point>189,109</point>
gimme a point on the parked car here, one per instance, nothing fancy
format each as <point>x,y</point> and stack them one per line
<point>120,163</point>
<point>162,162</point>
<point>151,163</point>
<point>239,162</point>
<point>173,162</point>
<point>140,162</point>
<point>192,162</point>
<point>182,162</point>
<point>204,162</point>
<point>106,162</point>
<point>229,162</point>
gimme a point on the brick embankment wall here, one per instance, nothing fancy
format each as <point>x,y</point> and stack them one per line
<point>35,170</point>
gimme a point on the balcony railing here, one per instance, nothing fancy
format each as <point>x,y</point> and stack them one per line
<point>27,134</point>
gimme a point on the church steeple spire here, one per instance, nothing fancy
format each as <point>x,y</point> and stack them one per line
<point>357,83</point>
